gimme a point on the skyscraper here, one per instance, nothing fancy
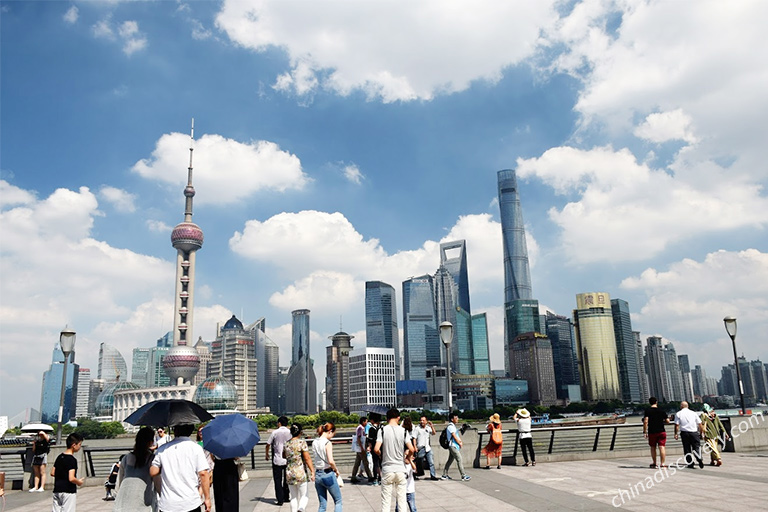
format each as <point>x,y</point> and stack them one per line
<point>560,333</point>
<point>532,360</point>
<point>659,384</point>
<point>204,352</point>
<point>371,378</point>
<point>453,256</point>
<point>685,372</point>
<point>337,372</point>
<point>596,347</point>
<point>50,396</point>
<point>112,365</point>
<point>673,370</point>
<point>381,320</point>
<point>182,361</point>
<point>156,376</point>
<point>140,367</point>
<point>268,362</point>
<point>699,378</point>
<point>83,392</point>
<point>626,350</point>
<point>421,340</point>
<point>233,357</point>
<point>445,305</point>
<point>480,352</point>
<point>644,391</point>
<point>301,384</point>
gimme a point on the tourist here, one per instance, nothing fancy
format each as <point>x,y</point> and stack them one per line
<point>276,441</point>
<point>523,418</point>
<point>393,446</point>
<point>653,430</point>
<point>374,421</point>
<point>410,485</point>
<point>360,447</point>
<point>182,469</point>
<point>454,448</point>
<point>495,444</point>
<point>160,439</point>
<point>299,470</point>
<point>326,472</point>
<point>40,450</point>
<point>689,426</point>
<point>64,473</point>
<point>714,432</point>
<point>137,491</point>
<point>422,434</point>
<point>226,485</point>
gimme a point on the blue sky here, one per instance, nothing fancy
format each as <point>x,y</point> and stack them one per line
<point>339,142</point>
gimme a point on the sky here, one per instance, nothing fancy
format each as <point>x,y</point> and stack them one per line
<point>338,142</point>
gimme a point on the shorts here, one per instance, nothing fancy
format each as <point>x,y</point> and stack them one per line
<point>657,439</point>
<point>40,460</point>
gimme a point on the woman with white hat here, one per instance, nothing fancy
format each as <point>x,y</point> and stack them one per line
<point>523,418</point>
<point>495,443</point>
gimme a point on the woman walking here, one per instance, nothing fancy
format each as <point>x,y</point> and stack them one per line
<point>523,418</point>
<point>299,470</point>
<point>136,489</point>
<point>40,451</point>
<point>495,444</point>
<point>226,485</point>
<point>326,473</point>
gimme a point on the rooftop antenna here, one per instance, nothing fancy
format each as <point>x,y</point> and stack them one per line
<point>340,323</point>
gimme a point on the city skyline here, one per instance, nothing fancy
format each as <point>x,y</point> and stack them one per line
<point>318,168</point>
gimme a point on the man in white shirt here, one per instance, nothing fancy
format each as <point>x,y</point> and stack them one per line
<point>688,425</point>
<point>393,446</point>
<point>277,441</point>
<point>454,448</point>
<point>422,433</point>
<point>359,446</point>
<point>182,465</point>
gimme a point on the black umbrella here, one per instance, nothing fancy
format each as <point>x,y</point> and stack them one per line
<point>376,409</point>
<point>168,412</point>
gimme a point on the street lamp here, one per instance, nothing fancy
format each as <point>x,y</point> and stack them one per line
<point>730,328</point>
<point>67,344</point>
<point>446,335</point>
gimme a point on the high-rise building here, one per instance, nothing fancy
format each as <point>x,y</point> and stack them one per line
<point>760,377</point>
<point>729,383</point>
<point>747,379</point>
<point>421,339</point>
<point>233,357</point>
<point>204,352</point>
<point>480,351</point>
<point>301,384</point>
<point>658,359</point>
<point>685,373</point>
<point>445,306</point>
<point>437,388</point>
<point>673,369</point>
<point>532,360</point>
<point>699,378</point>
<point>140,367</point>
<point>166,340</point>
<point>182,361</point>
<point>596,347</point>
<point>626,351</point>
<point>337,372</point>
<point>268,362</point>
<point>381,320</point>
<point>560,333</point>
<point>509,391</point>
<point>644,391</point>
<point>518,293</point>
<point>50,397</point>
<point>371,378</point>
<point>112,365</point>
<point>83,392</point>
<point>95,388</point>
<point>453,257</point>
<point>282,378</point>
<point>156,376</point>
<point>463,354</point>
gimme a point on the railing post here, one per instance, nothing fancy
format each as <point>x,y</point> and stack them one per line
<point>514,453</point>
<point>551,442</point>
<point>89,456</point>
<point>253,458</point>
<point>597,438</point>
<point>613,439</point>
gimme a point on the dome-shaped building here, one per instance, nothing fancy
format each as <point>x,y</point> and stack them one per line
<point>106,399</point>
<point>233,323</point>
<point>216,394</point>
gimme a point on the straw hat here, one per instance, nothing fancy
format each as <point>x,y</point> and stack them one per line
<point>495,418</point>
<point>523,413</point>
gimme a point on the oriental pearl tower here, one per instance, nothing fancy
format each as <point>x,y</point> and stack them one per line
<point>182,360</point>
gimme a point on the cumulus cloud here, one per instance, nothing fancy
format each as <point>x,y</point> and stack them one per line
<point>324,292</point>
<point>665,126</point>
<point>219,162</point>
<point>625,210</point>
<point>127,32</point>
<point>11,195</point>
<point>395,52</point>
<point>353,174</point>
<point>158,226</point>
<point>71,15</point>
<point>121,200</point>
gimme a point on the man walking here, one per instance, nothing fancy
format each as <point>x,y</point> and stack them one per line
<point>64,473</point>
<point>714,432</point>
<point>183,468</point>
<point>360,447</point>
<point>422,433</point>
<point>653,430</point>
<point>454,447</point>
<point>393,446</point>
<point>277,441</point>
<point>689,425</point>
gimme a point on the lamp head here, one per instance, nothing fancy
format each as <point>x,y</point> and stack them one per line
<point>67,341</point>
<point>446,333</point>
<point>730,326</point>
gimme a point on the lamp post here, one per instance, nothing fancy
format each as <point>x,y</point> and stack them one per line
<point>67,344</point>
<point>730,328</point>
<point>446,335</point>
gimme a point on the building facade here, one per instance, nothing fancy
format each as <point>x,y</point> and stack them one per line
<point>112,365</point>
<point>140,367</point>
<point>626,351</point>
<point>559,330</point>
<point>381,330</point>
<point>233,357</point>
<point>301,384</point>
<point>50,396</point>
<point>532,361</point>
<point>422,346</point>
<point>337,372</point>
<point>83,392</point>
<point>596,347</point>
<point>268,363</point>
<point>371,378</point>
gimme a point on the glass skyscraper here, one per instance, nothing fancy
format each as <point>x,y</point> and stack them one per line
<point>301,384</point>
<point>596,347</point>
<point>112,365</point>
<point>381,320</point>
<point>453,256</point>
<point>140,367</point>
<point>629,374</point>
<point>51,390</point>
<point>560,333</point>
<point>480,344</point>
<point>422,345</point>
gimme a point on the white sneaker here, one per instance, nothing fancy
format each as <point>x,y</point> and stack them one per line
<point>40,489</point>
<point>33,490</point>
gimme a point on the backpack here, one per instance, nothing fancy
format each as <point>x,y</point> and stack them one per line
<point>497,436</point>
<point>373,434</point>
<point>444,442</point>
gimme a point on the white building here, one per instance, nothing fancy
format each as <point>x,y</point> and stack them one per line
<point>371,378</point>
<point>83,392</point>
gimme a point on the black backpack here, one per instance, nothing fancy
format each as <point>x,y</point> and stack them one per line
<point>373,434</point>
<point>444,441</point>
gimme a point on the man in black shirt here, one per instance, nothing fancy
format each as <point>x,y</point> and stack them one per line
<point>653,429</point>
<point>65,478</point>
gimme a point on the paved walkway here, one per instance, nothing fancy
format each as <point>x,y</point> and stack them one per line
<point>593,485</point>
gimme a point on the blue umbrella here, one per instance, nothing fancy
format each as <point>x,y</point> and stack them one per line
<point>230,435</point>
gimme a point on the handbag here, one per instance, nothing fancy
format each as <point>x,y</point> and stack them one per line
<point>340,480</point>
<point>241,472</point>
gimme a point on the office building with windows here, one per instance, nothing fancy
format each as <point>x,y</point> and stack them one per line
<point>596,347</point>
<point>112,365</point>
<point>371,378</point>
<point>337,372</point>
<point>50,398</point>
<point>381,330</point>
<point>301,384</point>
<point>626,351</point>
<point>83,392</point>
<point>421,339</point>
<point>532,360</point>
<point>268,365</point>
<point>559,330</point>
<point>233,357</point>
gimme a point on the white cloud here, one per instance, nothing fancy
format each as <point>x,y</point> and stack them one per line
<point>219,162</point>
<point>11,195</point>
<point>103,28</point>
<point>626,210</point>
<point>128,31</point>
<point>121,200</point>
<point>132,46</point>
<point>353,174</point>
<point>158,226</point>
<point>71,15</point>
<point>323,292</point>
<point>399,51</point>
<point>666,126</point>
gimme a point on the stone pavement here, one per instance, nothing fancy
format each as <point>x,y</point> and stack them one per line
<point>592,485</point>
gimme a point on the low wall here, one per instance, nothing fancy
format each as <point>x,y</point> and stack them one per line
<point>749,433</point>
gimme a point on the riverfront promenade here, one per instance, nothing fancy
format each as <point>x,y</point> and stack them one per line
<point>741,484</point>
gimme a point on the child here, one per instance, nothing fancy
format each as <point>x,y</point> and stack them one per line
<point>410,484</point>
<point>65,481</point>
<point>111,482</point>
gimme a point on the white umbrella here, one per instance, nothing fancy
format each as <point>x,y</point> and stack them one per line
<point>36,427</point>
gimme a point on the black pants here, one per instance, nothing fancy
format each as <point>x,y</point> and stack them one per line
<point>692,445</point>
<point>526,443</point>
<point>376,466</point>
<point>282,495</point>
<point>226,486</point>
